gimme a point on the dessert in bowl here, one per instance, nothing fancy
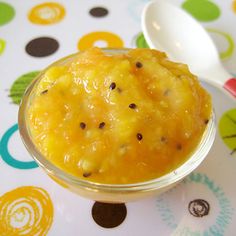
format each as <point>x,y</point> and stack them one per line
<point>117,125</point>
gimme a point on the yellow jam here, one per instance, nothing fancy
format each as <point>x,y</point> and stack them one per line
<point>118,119</point>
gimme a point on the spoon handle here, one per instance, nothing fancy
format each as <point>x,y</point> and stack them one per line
<point>230,86</point>
<point>220,77</point>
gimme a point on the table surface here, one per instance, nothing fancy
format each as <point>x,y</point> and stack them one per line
<point>33,34</point>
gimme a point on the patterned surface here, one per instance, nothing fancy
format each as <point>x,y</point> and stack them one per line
<point>33,34</point>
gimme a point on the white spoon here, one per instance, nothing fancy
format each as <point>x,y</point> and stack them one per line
<point>168,28</point>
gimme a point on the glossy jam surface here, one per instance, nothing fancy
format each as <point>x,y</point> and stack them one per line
<point>118,119</point>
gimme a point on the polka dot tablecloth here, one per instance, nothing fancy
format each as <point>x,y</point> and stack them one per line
<point>33,34</point>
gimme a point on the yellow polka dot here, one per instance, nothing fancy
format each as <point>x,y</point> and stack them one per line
<point>47,13</point>
<point>89,40</point>
<point>26,211</point>
<point>234,6</point>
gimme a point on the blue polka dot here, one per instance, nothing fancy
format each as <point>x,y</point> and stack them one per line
<point>7,157</point>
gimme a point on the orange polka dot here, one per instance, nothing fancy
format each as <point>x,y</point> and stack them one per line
<point>234,6</point>
<point>110,39</point>
<point>26,210</point>
<point>47,13</point>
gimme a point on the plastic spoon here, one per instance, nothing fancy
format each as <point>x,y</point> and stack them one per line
<point>168,28</point>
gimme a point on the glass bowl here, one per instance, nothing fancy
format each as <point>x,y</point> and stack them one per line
<point>110,192</point>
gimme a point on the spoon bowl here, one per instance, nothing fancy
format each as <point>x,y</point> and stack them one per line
<point>168,28</point>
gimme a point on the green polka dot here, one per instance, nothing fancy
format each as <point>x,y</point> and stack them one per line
<point>229,51</point>
<point>141,41</point>
<point>227,129</point>
<point>2,46</point>
<point>7,13</point>
<point>18,88</point>
<point>202,10</point>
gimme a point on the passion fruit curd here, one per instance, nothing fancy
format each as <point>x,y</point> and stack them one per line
<point>118,119</point>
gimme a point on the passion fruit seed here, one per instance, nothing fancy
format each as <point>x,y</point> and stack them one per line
<point>180,76</point>
<point>206,121</point>
<point>139,136</point>
<point>132,106</point>
<point>86,174</point>
<point>163,139</point>
<point>178,146</point>
<point>82,125</point>
<point>101,125</point>
<point>44,91</point>
<point>166,92</point>
<point>119,90</point>
<point>112,86</point>
<point>139,64</point>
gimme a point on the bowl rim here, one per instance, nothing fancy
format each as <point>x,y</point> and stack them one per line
<point>172,177</point>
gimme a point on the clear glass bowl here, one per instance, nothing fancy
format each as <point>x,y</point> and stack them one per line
<point>110,192</point>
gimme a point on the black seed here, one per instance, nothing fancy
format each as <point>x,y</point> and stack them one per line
<point>132,106</point>
<point>181,76</point>
<point>87,174</point>
<point>179,146</point>
<point>163,139</point>
<point>82,125</point>
<point>44,91</point>
<point>123,146</point>
<point>112,86</point>
<point>139,136</point>
<point>139,64</point>
<point>166,92</point>
<point>206,121</point>
<point>101,125</point>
